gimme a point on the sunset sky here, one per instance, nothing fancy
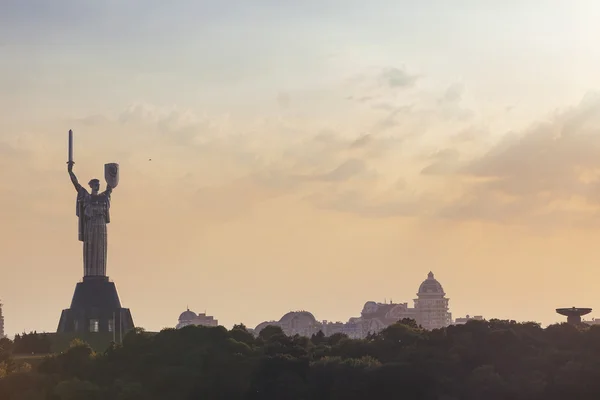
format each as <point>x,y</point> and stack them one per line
<point>303,155</point>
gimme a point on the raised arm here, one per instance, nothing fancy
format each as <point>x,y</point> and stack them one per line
<point>108,190</point>
<point>73,177</point>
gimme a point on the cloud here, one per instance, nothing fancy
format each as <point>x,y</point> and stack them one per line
<point>397,78</point>
<point>551,169</point>
<point>453,94</point>
<point>368,204</point>
<point>442,162</point>
<point>283,100</point>
<point>450,103</point>
<point>183,126</point>
<point>391,118</point>
<point>419,108</point>
<point>93,120</point>
<point>345,171</point>
<point>232,167</point>
<point>254,161</point>
<point>380,87</point>
<point>362,142</point>
<point>9,151</point>
<point>470,134</point>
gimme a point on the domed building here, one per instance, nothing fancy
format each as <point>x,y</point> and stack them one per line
<point>431,305</point>
<point>430,311</point>
<point>188,317</point>
<point>294,323</point>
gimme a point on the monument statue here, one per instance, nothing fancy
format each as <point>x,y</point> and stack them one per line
<point>95,307</point>
<point>93,211</point>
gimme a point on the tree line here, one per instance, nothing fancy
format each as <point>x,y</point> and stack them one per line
<point>489,360</point>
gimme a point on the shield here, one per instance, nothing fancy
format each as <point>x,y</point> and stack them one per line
<point>111,174</point>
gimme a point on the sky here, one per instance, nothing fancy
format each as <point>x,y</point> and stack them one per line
<point>303,155</point>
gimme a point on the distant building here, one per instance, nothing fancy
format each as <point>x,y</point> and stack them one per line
<point>191,318</point>
<point>431,305</point>
<point>1,322</point>
<point>593,321</point>
<point>462,321</point>
<point>294,323</point>
<point>352,328</point>
<point>430,311</point>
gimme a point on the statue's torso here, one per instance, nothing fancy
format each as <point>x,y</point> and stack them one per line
<point>96,206</point>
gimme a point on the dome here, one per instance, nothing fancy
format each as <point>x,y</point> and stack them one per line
<point>187,315</point>
<point>397,312</point>
<point>298,314</point>
<point>431,286</point>
<point>263,325</point>
<point>370,307</point>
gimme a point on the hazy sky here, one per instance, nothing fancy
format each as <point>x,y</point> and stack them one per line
<point>304,155</point>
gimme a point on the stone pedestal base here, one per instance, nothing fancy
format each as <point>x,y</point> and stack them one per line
<point>96,308</point>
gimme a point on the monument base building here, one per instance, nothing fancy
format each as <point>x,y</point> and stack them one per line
<point>96,308</point>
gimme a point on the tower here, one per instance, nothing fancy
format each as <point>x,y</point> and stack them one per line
<point>573,314</point>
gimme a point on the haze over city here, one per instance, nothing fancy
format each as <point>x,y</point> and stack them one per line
<point>313,155</point>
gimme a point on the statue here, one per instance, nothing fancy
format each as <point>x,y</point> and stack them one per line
<point>95,307</point>
<point>93,211</point>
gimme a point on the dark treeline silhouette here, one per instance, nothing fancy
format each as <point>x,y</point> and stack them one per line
<point>31,343</point>
<point>479,360</point>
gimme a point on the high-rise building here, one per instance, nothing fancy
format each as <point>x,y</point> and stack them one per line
<point>1,322</point>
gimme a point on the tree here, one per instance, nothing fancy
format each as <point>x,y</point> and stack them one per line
<point>493,359</point>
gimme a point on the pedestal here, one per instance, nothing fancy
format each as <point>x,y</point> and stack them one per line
<point>96,308</point>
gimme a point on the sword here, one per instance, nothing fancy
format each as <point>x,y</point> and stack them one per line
<point>70,162</point>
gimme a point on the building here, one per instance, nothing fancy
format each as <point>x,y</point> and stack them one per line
<point>574,314</point>
<point>593,321</point>
<point>294,323</point>
<point>430,311</point>
<point>352,328</point>
<point>191,318</point>
<point>462,321</point>
<point>431,305</point>
<point>1,322</point>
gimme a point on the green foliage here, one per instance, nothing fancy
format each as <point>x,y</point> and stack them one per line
<point>99,341</point>
<point>494,360</point>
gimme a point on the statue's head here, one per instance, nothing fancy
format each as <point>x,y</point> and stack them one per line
<point>95,185</point>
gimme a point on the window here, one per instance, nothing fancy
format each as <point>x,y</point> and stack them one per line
<point>111,325</point>
<point>94,325</point>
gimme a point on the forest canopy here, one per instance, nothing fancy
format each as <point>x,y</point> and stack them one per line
<point>479,360</point>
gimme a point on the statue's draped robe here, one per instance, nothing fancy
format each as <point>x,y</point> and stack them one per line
<point>94,213</point>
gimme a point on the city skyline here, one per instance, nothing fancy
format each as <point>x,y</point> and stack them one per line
<point>303,156</point>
